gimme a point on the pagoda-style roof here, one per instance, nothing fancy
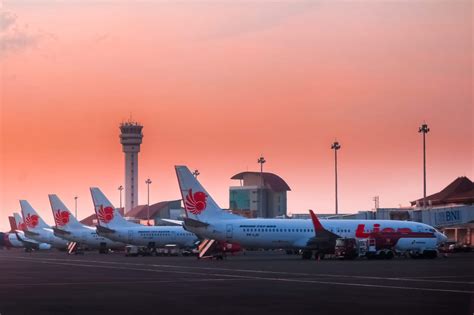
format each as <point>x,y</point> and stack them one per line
<point>461,190</point>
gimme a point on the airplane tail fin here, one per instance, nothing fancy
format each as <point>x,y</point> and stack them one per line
<point>319,229</point>
<point>19,222</point>
<point>33,221</point>
<point>198,204</point>
<point>107,215</point>
<point>63,218</point>
<point>13,226</point>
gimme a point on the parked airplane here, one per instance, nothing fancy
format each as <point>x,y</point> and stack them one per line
<point>70,229</point>
<point>37,229</point>
<point>29,243</point>
<point>16,237</point>
<point>206,219</point>
<point>113,226</point>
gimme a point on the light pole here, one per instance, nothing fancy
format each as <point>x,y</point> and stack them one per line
<point>75,206</point>
<point>335,146</point>
<point>424,129</point>
<point>261,160</point>
<point>120,188</point>
<point>148,182</point>
<point>376,202</point>
<point>196,173</point>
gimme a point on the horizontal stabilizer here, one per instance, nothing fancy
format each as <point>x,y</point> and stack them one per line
<point>31,234</point>
<point>175,222</point>
<point>26,242</point>
<point>59,232</point>
<point>194,223</point>
<point>103,230</point>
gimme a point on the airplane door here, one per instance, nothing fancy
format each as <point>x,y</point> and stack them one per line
<point>229,230</point>
<point>130,236</point>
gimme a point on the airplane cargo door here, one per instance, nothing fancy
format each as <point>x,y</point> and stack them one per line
<point>229,230</point>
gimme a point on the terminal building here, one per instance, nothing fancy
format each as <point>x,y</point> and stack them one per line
<point>450,210</point>
<point>260,195</point>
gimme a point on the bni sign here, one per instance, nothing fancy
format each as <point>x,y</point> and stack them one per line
<point>448,217</point>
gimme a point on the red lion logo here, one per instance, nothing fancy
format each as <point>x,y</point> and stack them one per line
<point>195,203</point>
<point>61,217</point>
<point>106,214</point>
<point>21,225</point>
<point>31,221</point>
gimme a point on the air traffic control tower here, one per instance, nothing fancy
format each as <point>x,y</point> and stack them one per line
<point>131,137</point>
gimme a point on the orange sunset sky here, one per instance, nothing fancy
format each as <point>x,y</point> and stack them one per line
<point>217,83</point>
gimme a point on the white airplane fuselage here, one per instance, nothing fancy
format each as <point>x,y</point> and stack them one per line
<point>88,236</point>
<point>296,233</point>
<point>46,235</point>
<point>11,240</point>
<point>158,236</point>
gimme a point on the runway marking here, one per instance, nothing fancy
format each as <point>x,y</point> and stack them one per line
<point>420,279</point>
<point>440,277</point>
<point>251,277</point>
<point>114,282</point>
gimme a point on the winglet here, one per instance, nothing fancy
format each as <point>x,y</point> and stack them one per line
<point>318,227</point>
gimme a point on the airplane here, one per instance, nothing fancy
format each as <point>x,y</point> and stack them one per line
<point>16,237</point>
<point>37,229</point>
<point>70,229</point>
<point>207,220</point>
<point>113,226</point>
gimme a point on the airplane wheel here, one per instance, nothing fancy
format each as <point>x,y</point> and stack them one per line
<point>389,255</point>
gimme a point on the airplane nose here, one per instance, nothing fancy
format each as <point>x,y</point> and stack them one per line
<point>441,237</point>
<point>445,238</point>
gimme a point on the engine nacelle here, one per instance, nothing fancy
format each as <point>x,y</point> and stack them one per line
<point>44,246</point>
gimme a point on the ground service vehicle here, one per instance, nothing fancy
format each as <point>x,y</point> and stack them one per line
<point>346,248</point>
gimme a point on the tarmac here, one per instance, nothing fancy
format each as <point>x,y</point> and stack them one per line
<point>255,283</point>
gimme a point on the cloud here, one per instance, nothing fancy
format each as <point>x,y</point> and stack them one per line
<point>13,36</point>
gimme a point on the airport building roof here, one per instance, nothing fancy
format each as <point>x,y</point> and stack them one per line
<point>460,191</point>
<point>275,182</point>
<point>141,212</point>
